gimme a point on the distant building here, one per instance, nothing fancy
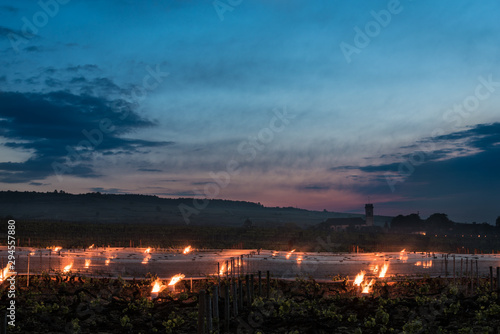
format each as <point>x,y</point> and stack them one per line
<point>342,224</point>
<point>353,223</point>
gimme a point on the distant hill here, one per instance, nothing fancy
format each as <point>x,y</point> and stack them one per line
<point>113,208</point>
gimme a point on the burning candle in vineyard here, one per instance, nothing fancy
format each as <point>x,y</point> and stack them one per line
<point>157,288</point>
<point>290,254</point>
<point>403,256</point>
<point>187,250</point>
<point>5,273</point>
<point>57,248</point>
<point>367,287</point>
<point>375,268</point>
<point>91,246</point>
<point>67,268</point>
<point>427,264</point>
<point>148,250</point>
<point>299,259</point>
<point>359,278</point>
<point>87,263</point>
<point>107,262</point>
<point>383,271</point>
<point>176,279</point>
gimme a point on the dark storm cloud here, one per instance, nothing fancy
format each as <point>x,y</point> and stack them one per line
<point>314,187</point>
<point>481,137</point>
<point>33,49</point>
<point>86,67</point>
<point>49,124</point>
<point>5,32</point>
<point>150,170</point>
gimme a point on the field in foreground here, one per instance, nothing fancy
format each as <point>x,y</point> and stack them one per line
<point>70,304</point>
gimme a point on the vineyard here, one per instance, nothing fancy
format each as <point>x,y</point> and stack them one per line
<point>67,303</point>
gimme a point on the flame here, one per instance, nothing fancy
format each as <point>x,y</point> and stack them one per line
<point>5,273</point>
<point>403,256</point>
<point>157,286</point>
<point>359,278</point>
<point>67,268</point>
<point>427,264</point>
<point>91,246</point>
<point>187,250</point>
<point>289,254</point>
<point>383,271</point>
<point>221,270</point>
<point>299,259</point>
<point>57,248</point>
<point>375,269</point>
<point>107,261</point>
<point>418,263</point>
<point>87,263</point>
<point>148,250</point>
<point>32,253</point>
<point>146,259</point>
<point>367,287</point>
<point>176,279</point>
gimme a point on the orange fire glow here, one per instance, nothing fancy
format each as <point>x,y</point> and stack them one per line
<point>299,260</point>
<point>57,248</point>
<point>87,263</point>
<point>67,268</point>
<point>91,246</point>
<point>290,254</point>
<point>5,273</point>
<point>187,250</point>
<point>157,286</point>
<point>367,287</point>
<point>176,279</point>
<point>403,256</point>
<point>383,271</point>
<point>148,250</point>
<point>359,278</point>
<point>146,259</point>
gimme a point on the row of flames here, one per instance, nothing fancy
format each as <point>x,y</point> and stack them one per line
<point>227,269</point>
<point>158,286</point>
<point>379,271</point>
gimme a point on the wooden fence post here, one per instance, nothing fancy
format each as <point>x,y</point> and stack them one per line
<point>201,312</point>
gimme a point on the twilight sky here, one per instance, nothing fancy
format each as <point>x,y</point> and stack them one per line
<point>315,104</point>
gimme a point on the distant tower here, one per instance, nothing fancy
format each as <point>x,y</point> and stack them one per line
<point>369,214</point>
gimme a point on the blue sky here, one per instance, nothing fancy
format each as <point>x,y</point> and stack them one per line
<point>173,91</point>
